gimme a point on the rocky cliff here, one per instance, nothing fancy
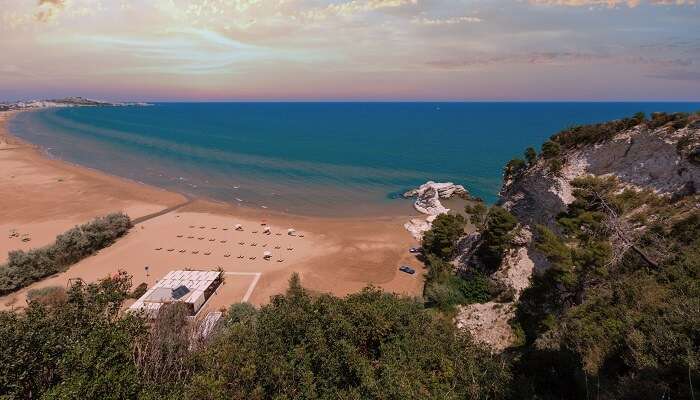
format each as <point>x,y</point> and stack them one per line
<point>661,154</point>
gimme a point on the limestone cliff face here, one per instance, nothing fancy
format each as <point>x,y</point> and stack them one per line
<point>664,159</point>
<point>660,159</point>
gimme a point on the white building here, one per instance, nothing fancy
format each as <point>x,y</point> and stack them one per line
<point>190,287</point>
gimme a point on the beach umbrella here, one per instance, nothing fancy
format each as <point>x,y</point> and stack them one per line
<point>238,227</point>
<point>267,254</point>
<point>266,229</point>
<point>290,231</point>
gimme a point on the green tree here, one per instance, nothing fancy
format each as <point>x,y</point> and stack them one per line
<point>496,236</point>
<point>367,345</point>
<point>530,155</point>
<point>477,214</point>
<point>550,149</point>
<point>514,167</point>
<point>79,348</point>
<point>442,237</point>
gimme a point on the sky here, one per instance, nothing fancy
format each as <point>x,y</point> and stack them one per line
<point>218,50</point>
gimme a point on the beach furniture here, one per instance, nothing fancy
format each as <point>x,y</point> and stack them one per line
<point>222,241</point>
<point>267,255</point>
<point>207,253</point>
<point>171,249</point>
<point>277,247</point>
<point>290,232</point>
<point>227,255</point>
<point>266,230</point>
<point>239,227</point>
<point>159,248</point>
<point>179,236</point>
<point>195,252</point>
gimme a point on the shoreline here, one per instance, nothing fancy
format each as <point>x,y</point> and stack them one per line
<point>339,255</point>
<point>247,209</point>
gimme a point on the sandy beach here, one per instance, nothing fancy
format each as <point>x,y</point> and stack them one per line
<point>42,197</point>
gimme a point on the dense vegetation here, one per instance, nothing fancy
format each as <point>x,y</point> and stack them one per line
<point>367,345</point>
<point>25,267</point>
<point>618,311</point>
<point>445,287</point>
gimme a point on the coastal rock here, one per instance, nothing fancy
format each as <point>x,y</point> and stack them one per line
<point>428,196</point>
<point>427,202</point>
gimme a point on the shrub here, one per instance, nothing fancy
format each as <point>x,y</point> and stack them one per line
<point>514,167</point>
<point>442,237</point>
<point>496,236</point>
<point>530,155</point>
<point>477,214</point>
<point>550,149</point>
<point>24,268</point>
<point>50,295</point>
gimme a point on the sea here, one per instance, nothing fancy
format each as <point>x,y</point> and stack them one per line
<point>315,159</point>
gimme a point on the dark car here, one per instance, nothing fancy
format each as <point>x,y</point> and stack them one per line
<point>407,269</point>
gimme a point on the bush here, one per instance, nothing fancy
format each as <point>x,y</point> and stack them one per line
<point>477,214</point>
<point>550,149</point>
<point>496,236</point>
<point>442,237</point>
<point>369,345</point>
<point>49,296</point>
<point>24,268</point>
<point>530,155</point>
<point>595,133</point>
<point>514,167</point>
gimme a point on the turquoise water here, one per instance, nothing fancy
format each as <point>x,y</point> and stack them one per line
<point>310,158</point>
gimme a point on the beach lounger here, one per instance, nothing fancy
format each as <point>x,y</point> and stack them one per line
<point>207,253</point>
<point>222,241</point>
<point>195,252</point>
<point>227,255</point>
<point>171,249</point>
<point>179,236</point>
<point>159,248</point>
<point>277,247</point>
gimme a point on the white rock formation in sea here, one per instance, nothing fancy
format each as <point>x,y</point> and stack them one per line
<point>427,202</point>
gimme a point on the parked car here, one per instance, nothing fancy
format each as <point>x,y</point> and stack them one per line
<point>407,269</point>
<point>415,250</point>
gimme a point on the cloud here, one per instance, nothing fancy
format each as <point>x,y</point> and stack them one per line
<point>348,8</point>
<point>48,9</point>
<point>610,3</point>
<point>678,75</point>
<point>556,58</point>
<point>445,21</point>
